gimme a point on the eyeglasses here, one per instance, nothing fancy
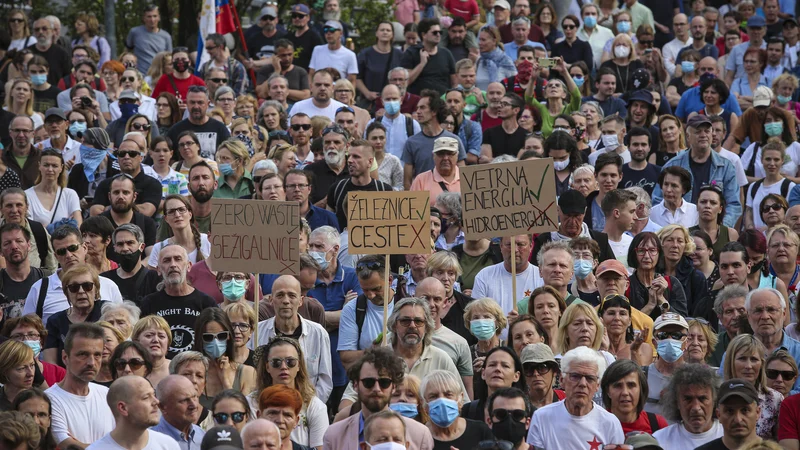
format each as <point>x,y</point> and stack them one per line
<point>21,131</point>
<point>369,265</point>
<point>219,80</point>
<point>176,211</point>
<point>221,336</point>
<point>269,18</point>
<point>195,89</point>
<point>407,321</point>
<point>646,43</point>
<point>209,48</point>
<point>72,249</point>
<point>140,126</point>
<point>76,287</point>
<point>128,153</point>
<point>180,50</point>
<point>229,277</point>
<point>369,383</point>
<point>532,369</point>
<point>301,126</point>
<point>135,363</point>
<point>517,415</point>
<point>296,186</point>
<point>640,251</point>
<point>449,123</point>
<point>226,100</point>
<point>335,129</point>
<point>277,363</point>
<point>774,207</point>
<point>577,377</point>
<point>435,32</point>
<point>240,326</point>
<point>677,335</point>
<point>26,337</point>
<point>186,144</point>
<point>237,417</point>
<point>772,374</point>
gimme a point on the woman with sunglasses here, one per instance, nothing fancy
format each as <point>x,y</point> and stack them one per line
<point>17,369</point>
<point>19,30</point>
<point>155,335</point>
<point>281,361</point>
<point>229,408</point>
<point>168,113</point>
<point>141,124</point>
<point>541,371</point>
<point>773,211</point>
<point>130,358</point>
<point>615,312</point>
<point>677,245</point>
<point>216,343</point>
<point>745,359</point>
<point>50,200</point>
<point>243,321</point>
<point>189,149</point>
<point>780,171</point>
<point>547,306</point>
<point>111,339</point>
<point>624,387</point>
<point>781,372</point>
<point>81,286</point>
<point>711,210</point>
<point>442,393</point>
<point>701,341</point>
<point>502,369</point>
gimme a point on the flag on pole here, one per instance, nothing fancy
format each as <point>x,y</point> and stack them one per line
<point>215,17</point>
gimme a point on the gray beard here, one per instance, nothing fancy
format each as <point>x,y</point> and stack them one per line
<point>332,15</point>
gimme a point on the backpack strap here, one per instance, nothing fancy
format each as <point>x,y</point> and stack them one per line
<point>40,236</point>
<point>755,187</point>
<point>409,125</point>
<point>751,166</point>
<point>361,314</point>
<point>785,187</point>
<point>654,426</point>
<point>510,81</point>
<point>174,86</point>
<point>42,294</point>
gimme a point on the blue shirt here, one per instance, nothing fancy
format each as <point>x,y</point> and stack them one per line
<point>610,106</point>
<point>194,439</point>
<point>735,60</point>
<point>512,48</point>
<point>741,86</point>
<point>318,217</point>
<point>790,345</point>
<point>472,140</point>
<point>691,101</point>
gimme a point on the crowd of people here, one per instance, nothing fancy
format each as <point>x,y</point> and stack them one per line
<point>662,313</point>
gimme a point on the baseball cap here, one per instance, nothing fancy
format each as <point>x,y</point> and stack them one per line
<point>333,24</point>
<point>501,4</point>
<point>790,20</point>
<point>669,318</point>
<point>611,265</point>
<point>738,387</point>
<point>269,11</point>
<point>756,22</point>
<point>128,94</point>
<point>642,440</point>
<point>58,112</point>
<point>762,96</point>
<point>300,9</point>
<point>222,438</point>
<point>572,202</point>
<point>537,353</point>
<point>445,144</point>
<point>698,120</point>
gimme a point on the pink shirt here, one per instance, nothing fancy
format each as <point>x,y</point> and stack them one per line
<point>429,181</point>
<point>404,11</point>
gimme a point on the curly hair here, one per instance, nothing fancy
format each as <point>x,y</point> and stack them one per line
<point>687,375</point>
<point>384,361</point>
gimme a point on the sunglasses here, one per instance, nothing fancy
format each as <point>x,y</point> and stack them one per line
<point>237,417</point>
<point>127,79</point>
<point>327,30</point>
<point>140,126</point>
<point>495,445</point>
<point>128,153</point>
<point>677,335</point>
<point>298,16</point>
<point>345,109</point>
<point>277,363</point>
<point>369,265</point>
<point>304,127</point>
<point>16,20</point>
<point>369,383</point>
<point>531,369</point>
<point>517,415</point>
<point>774,207</point>
<point>646,43</point>
<point>76,287</point>
<point>568,27</point>
<point>210,337</point>
<point>772,374</point>
<point>72,249</point>
<point>219,80</point>
<point>435,32</point>
<point>611,297</point>
<point>135,363</point>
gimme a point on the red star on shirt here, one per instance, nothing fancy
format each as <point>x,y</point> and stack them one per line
<point>527,293</point>
<point>594,444</point>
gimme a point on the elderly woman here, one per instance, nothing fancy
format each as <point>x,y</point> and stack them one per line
<point>449,205</point>
<point>711,210</point>
<point>194,366</point>
<point>30,331</point>
<point>486,322</point>
<point>17,368</point>
<point>229,408</point>
<point>675,182</point>
<point>773,210</point>
<point>583,180</point>
<point>586,258</point>
<point>493,65</point>
<point>782,248</point>
<point>343,91</point>
<point>624,387</point>
<point>81,286</point>
<point>406,400</point>
<point>243,321</point>
<point>168,113</point>
<point>615,311</point>
<point>563,97</point>
<point>271,188</point>
<point>121,315</point>
<point>745,359</point>
<point>112,338</point>
<point>547,305</point>
<point>743,87</point>
<point>525,330</point>
<point>701,342</point>
<point>502,369</point>
<point>154,334</point>
<point>781,372</point>
<point>677,246</point>
<point>235,180</point>
<point>594,116</point>
<point>97,231</point>
<point>443,397</point>
<point>130,358</point>
<point>541,372</point>
<point>624,62</point>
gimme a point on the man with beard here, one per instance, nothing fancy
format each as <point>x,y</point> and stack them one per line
<point>329,171</point>
<point>221,59</point>
<point>468,131</point>
<point>461,42</point>
<point>180,407</point>
<point>261,47</point>
<point>122,196</point>
<point>320,103</point>
<point>60,64</point>
<point>641,112</point>
<point>490,116</point>
<point>738,413</point>
<point>296,76</point>
<point>300,131</point>
<point>135,281</point>
<point>314,340</point>
<point>14,208</point>
<point>639,172</point>
<point>374,376</point>
<point>148,40</point>
<point>134,405</point>
<point>23,156</point>
<point>304,39</point>
<point>508,137</point>
<point>148,190</point>
<point>359,161</point>
<point>202,184</point>
<point>408,101</point>
<point>211,133</point>
<point>181,78</point>
<point>18,276</point>
<point>334,54</point>
<point>80,414</point>
<point>178,303</point>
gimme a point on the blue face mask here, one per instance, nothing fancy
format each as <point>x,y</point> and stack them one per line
<point>579,81</point>
<point>670,350</point>
<point>215,348</point>
<point>234,290</point>
<point>35,345</point>
<point>443,412</point>
<point>773,128</point>
<point>226,169</point>
<point>483,329</point>
<point>582,268</point>
<point>590,21</point>
<point>623,26</point>
<point>38,79</point>
<point>392,107</point>
<point>687,66</point>
<point>783,99</point>
<point>77,127</point>
<point>319,257</point>
<point>405,409</point>
<point>127,110</point>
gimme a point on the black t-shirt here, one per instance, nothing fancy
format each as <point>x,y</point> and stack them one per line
<point>59,59</point>
<point>679,85</point>
<point>324,178</point>
<point>701,175</point>
<point>337,196</point>
<point>716,444</point>
<point>260,46</point>
<point>46,99</point>
<point>210,134</point>
<point>624,74</point>
<point>436,73</point>
<point>14,293</point>
<point>147,224</point>
<point>304,46</point>
<point>58,326</point>
<point>180,313</point>
<point>503,143</point>
<point>373,67</point>
<point>473,433</point>
<point>146,279</point>
<point>148,190</point>
<point>645,179</point>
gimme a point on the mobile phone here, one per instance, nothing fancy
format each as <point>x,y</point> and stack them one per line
<point>647,51</point>
<point>547,62</point>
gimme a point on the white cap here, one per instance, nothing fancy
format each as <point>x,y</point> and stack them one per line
<point>762,96</point>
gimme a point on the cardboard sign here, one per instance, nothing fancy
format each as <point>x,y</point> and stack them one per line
<point>255,236</point>
<point>509,199</point>
<point>381,223</point>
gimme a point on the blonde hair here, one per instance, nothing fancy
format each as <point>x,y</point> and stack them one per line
<point>244,310</point>
<point>444,260</point>
<point>783,78</point>
<point>237,149</point>
<point>746,343</point>
<point>148,322</point>
<point>708,333</point>
<point>157,66</point>
<point>12,355</point>
<point>10,97</point>
<point>623,38</point>
<point>785,231</point>
<point>115,331</point>
<point>489,305</point>
<point>579,307</point>
<point>495,33</point>
<point>345,83</point>
<point>318,123</point>
<point>669,229</point>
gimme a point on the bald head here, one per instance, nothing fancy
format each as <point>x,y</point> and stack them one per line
<point>430,287</point>
<point>123,389</point>
<point>286,282</point>
<point>261,432</point>
<point>171,384</point>
<point>680,24</point>
<point>793,218</point>
<point>707,65</point>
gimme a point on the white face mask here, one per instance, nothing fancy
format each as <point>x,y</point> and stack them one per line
<point>622,51</point>
<point>610,141</point>
<point>561,165</point>
<point>387,446</point>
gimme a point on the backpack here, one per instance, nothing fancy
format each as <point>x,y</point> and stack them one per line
<point>409,124</point>
<point>42,295</point>
<point>757,185</point>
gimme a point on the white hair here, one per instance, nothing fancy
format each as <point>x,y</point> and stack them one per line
<point>585,355</point>
<point>127,306</point>
<point>582,168</point>
<point>503,159</point>
<point>752,293</point>
<point>330,234</point>
<point>253,425</point>
<point>267,164</point>
<point>642,198</point>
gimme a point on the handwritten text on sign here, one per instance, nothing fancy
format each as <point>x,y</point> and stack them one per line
<point>255,236</point>
<point>382,223</point>
<point>509,199</point>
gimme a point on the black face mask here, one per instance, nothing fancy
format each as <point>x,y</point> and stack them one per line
<point>127,261</point>
<point>180,66</point>
<point>509,430</point>
<point>758,266</point>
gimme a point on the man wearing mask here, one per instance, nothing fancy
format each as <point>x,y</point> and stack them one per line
<point>321,103</point>
<point>148,40</point>
<point>18,276</point>
<point>181,78</point>
<point>55,121</point>
<point>210,133</point>
<point>282,63</point>
<point>596,35</point>
<point>639,172</point>
<point>613,131</point>
<point>122,196</point>
<point>503,419</point>
<point>148,190</point>
<point>261,46</point>
<point>22,156</point>
<point>60,65</point>
<point>330,170</point>
<point>399,125</point>
<point>680,25</point>
<point>202,184</point>
<point>670,331</point>
<point>134,280</point>
<point>408,101</point>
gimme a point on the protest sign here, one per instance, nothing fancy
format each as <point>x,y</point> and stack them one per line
<point>382,223</point>
<point>508,199</point>
<point>255,236</point>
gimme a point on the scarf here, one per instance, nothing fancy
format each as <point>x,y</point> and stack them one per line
<point>91,159</point>
<point>492,62</point>
<point>556,236</point>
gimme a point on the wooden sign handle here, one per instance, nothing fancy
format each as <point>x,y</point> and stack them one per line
<point>386,290</point>
<point>514,272</point>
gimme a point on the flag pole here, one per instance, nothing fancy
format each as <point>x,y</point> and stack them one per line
<point>241,38</point>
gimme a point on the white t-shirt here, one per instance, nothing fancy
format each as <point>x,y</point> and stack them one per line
<point>495,282</point>
<point>676,436</point>
<point>626,156</point>
<point>550,422</point>
<point>342,59</point>
<point>789,165</point>
<point>36,211</point>
<point>85,418</point>
<point>156,441</point>
<point>307,106</point>
<point>741,177</point>
<point>621,248</point>
<point>205,246</point>
<point>762,192</point>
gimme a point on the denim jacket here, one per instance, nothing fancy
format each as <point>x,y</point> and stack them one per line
<point>722,172</point>
<point>472,142</point>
